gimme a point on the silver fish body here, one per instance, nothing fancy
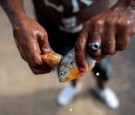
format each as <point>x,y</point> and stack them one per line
<point>68,69</point>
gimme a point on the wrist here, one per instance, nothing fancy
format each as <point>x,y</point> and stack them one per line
<point>17,19</point>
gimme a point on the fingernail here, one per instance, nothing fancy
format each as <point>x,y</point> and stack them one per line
<point>82,69</point>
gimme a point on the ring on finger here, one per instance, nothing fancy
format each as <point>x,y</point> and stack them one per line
<point>95,45</point>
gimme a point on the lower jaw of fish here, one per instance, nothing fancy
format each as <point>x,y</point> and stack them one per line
<point>63,80</point>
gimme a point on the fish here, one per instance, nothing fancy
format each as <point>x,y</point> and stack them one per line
<point>68,69</point>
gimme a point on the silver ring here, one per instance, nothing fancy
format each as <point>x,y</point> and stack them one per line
<point>95,45</point>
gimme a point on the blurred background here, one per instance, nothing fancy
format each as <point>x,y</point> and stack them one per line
<point>22,93</point>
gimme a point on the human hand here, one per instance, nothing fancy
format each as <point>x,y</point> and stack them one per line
<point>112,28</point>
<point>32,42</point>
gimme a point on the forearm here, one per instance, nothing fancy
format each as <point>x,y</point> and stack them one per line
<point>14,9</point>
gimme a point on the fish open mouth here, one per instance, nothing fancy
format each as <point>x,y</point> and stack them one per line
<point>63,80</point>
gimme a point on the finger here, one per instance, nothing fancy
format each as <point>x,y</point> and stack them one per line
<point>122,41</point>
<point>43,43</point>
<point>96,31</point>
<point>123,35</point>
<point>94,39</point>
<point>39,71</point>
<point>80,48</point>
<point>108,41</point>
<point>34,56</point>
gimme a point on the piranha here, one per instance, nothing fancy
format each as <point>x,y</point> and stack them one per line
<point>68,70</point>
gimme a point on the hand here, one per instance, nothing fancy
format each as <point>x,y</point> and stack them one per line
<point>112,28</point>
<point>32,42</point>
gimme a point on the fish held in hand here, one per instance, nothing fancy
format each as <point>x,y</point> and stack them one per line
<point>68,69</point>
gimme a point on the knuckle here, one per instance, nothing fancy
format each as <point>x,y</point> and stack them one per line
<point>98,23</point>
<point>35,72</point>
<point>42,33</point>
<point>32,69</point>
<point>45,34</point>
<point>124,24</point>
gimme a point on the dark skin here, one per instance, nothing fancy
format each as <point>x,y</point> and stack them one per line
<point>31,38</point>
<point>113,28</point>
<point>32,44</point>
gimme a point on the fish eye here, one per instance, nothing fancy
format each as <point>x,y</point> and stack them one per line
<point>61,73</point>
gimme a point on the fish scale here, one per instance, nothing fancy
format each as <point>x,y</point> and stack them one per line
<point>68,69</point>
